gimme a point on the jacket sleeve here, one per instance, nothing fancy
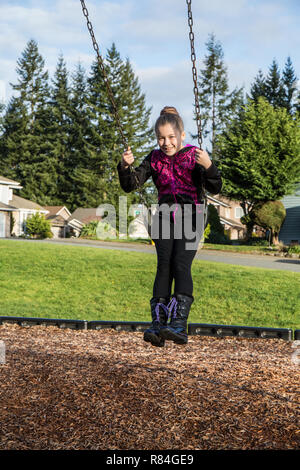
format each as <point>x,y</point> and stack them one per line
<point>211,178</point>
<point>129,176</point>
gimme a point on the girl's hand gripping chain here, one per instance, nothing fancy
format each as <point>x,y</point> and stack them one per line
<point>128,158</point>
<point>202,158</point>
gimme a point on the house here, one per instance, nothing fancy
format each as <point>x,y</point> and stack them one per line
<point>230,213</point>
<point>15,210</point>
<point>61,225</point>
<point>290,230</point>
<point>81,216</point>
<point>137,227</point>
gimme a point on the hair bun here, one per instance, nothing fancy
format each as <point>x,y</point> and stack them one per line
<point>169,110</point>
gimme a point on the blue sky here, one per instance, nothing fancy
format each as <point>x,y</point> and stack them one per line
<point>153,34</point>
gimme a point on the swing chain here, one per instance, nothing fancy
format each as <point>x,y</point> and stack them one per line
<point>196,93</point>
<point>102,67</point>
<point>194,71</point>
<point>109,91</point>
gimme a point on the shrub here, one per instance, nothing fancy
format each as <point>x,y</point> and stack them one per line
<point>255,241</point>
<point>38,227</point>
<point>89,230</point>
<point>98,230</point>
<point>216,234</point>
<point>269,215</point>
<point>295,249</point>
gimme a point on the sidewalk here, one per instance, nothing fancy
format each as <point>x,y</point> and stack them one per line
<point>241,259</point>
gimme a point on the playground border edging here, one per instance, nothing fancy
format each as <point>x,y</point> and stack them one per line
<point>203,329</point>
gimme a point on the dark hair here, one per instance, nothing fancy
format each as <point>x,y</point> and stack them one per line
<point>169,115</point>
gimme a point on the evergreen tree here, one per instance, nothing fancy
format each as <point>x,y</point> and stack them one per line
<point>279,90</point>
<point>135,121</point>
<point>61,141</point>
<point>77,167</point>
<point>2,108</point>
<point>15,123</point>
<point>100,137</point>
<point>113,141</point>
<point>26,147</point>
<point>217,233</point>
<point>258,87</point>
<point>59,127</point>
<point>290,86</point>
<point>33,80</point>
<point>218,105</point>
<point>297,104</point>
<point>134,117</point>
<point>260,156</point>
<point>275,92</point>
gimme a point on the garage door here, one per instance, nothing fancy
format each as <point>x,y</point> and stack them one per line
<point>2,224</point>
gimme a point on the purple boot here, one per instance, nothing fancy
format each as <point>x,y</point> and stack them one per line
<point>160,314</point>
<point>179,310</point>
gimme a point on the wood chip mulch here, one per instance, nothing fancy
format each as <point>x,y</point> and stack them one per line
<point>109,390</point>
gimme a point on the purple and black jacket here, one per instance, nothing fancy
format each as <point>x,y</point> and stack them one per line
<point>178,179</point>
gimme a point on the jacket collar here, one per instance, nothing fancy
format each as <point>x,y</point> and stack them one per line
<point>178,156</point>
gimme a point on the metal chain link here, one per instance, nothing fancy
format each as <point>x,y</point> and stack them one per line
<point>194,72</point>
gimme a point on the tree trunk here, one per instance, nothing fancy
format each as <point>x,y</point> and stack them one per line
<point>249,226</point>
<point>275,240</point>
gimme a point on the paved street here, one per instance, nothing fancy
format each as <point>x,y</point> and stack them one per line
<point>258,261</point>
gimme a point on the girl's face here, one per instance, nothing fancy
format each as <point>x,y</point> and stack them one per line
<point>170,140</point>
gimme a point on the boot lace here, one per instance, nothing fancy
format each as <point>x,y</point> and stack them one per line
<point>172,306</point>
<point>164,307</point>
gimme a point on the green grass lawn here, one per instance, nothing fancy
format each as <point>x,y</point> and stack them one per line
<point>77,282</point>
<point>237,248</point>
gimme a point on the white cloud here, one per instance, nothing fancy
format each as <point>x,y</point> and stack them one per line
<point>170,85</point>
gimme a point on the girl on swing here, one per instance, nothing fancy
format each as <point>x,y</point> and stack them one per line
<point>179,173</point>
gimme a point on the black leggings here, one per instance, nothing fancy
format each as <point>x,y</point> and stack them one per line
<point>174,262</point>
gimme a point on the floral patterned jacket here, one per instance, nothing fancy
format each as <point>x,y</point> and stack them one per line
<point>178,178</point>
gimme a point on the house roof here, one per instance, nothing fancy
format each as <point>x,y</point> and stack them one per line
<point>55,210</point>
<point>5,207</point>
<point>218,200</point>
<point>5,180</point>
<point>231,222</point>
<point>56,220</point>
<point>85,215</point>
<point>75,223</point>
<point>21,203</point>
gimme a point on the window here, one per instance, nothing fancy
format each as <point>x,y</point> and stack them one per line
<point>24,217</point>
<point>4,194</point>
<point>238,213</point>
